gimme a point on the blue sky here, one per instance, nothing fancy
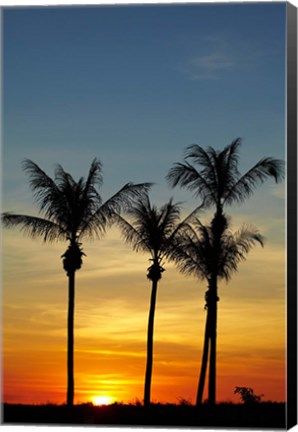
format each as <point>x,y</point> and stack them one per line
<point>134,85</point>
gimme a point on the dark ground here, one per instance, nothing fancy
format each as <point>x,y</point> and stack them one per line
<point>260,415</point>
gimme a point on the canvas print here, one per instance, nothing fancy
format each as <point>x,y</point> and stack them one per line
<point>144,223</point>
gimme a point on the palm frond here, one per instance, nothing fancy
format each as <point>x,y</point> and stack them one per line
<point>87,199</point>
<point>34,226</point>
<point>126,196</point>
<point>122,201</point>
<point>71,192</point>
<point>204,158</point>
<point>77,206</point>
<point>169,217</point>
<point>235,247</point>
<point>218,180</point>
<point>193,250</point>
<point>190,258</point>
<point>245,186</point>
<point>95,174</point>
<point>207,160</point>
<point>149,228</point>
<point>231,156</point>
<point>197,253</point>
<point>227,168</point>
<point>181,229</point>
<point>46,193</point>
<point>94,179</point>
<point>247,236</point>
<point>131,235</point>
<point>185,175</point>
<point>63,179</point>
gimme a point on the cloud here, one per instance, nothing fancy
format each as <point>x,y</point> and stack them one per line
<point>213,62</point>
<point>212,56</point>
<point>209,66</point>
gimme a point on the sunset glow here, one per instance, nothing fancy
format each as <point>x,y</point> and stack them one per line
<point>102,400</point>
<point>251,333</point>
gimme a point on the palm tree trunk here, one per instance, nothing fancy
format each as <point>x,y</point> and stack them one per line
<point>212,365</point>
<point>218,227</point>
<point>70,338</point>
<point>204,361</point>
<point>148,374</point>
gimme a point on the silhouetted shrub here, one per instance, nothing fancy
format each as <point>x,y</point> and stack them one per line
<point>247,395</point>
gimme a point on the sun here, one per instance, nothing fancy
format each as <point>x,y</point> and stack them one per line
<point>102,400</point>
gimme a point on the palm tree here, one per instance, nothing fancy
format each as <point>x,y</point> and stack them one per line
<point>219,183</point>
<point>154,231</point>
<point>71,211</point>
<point>195,253</point>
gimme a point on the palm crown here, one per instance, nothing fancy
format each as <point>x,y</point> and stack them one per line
<point>219,182</point>
<point>71,210</point>
<point>197,253</point>
<point>151,229</point>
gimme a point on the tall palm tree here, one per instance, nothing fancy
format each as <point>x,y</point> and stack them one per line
<point>154,231</point>
<point>219,183</point>
<point>71,211</point>
<point>195,253</point>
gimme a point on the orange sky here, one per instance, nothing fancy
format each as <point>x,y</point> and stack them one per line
<point>112,304</point>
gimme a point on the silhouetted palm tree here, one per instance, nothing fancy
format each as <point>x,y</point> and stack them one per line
<point>219,183</point>
<point>195,253</point>
<point>154,231</point>
<point>70,211</point>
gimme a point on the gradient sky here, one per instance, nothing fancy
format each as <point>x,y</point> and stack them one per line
<point>134,86</point>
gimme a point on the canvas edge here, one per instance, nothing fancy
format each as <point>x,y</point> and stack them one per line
<point>291,414</point>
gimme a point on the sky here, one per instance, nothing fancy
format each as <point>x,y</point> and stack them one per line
<point>133,86</point>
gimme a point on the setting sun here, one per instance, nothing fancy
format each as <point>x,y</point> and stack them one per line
<point>102,400</point>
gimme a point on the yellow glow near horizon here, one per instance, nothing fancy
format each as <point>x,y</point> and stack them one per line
<point>102,400</point>
<point>111,313</point>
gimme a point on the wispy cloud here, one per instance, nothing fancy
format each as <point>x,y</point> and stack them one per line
<point>212,56</point>
<point>209,66</point>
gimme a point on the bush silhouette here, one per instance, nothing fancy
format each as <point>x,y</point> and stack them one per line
<point>247,395</point>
